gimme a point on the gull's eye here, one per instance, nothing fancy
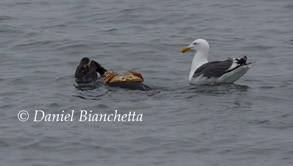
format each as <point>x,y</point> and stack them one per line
<point>194,43</point>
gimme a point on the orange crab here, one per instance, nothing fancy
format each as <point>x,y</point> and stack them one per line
<point>130,76</point>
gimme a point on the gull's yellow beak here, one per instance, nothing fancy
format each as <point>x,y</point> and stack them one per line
<point>185,49</point>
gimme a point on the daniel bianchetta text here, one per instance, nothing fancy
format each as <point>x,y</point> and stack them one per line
<point>80,116</point>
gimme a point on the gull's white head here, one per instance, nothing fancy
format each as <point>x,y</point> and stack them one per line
<point>197,45</point>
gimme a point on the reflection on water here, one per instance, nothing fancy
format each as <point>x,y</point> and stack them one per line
<point>219,88</point>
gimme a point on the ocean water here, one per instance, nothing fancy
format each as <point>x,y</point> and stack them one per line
<point>246,123</point>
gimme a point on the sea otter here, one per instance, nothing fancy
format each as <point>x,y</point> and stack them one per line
<point>87,71</point>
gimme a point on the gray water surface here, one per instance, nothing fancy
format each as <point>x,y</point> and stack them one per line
<point>246,123</point>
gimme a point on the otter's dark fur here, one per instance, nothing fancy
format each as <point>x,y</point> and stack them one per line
<point>87,70</point>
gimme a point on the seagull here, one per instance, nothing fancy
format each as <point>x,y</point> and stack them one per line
<point>215,72</point>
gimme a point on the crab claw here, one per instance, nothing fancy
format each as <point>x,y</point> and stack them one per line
<point>109,76</point>
<point>89,64</point>
<point>136,74</point>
